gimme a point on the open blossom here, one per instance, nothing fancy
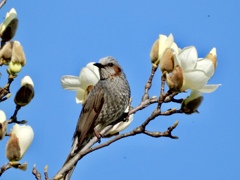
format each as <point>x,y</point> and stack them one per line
<point>88,77</point>
<point>21,137</point>
<point>3,124</point>
<point>83,84</point>
<point>195,72</point>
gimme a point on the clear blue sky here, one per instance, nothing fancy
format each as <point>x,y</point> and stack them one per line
<point>60,37</point>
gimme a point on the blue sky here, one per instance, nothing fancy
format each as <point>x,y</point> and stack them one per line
<point>60,37</point>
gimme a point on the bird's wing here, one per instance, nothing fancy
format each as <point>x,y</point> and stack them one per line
<point>90,111</point>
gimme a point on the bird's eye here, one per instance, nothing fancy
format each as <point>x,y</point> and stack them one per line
<point>110,64</point>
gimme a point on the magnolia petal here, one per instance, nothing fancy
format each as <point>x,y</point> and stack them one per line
<point>80,96</point>
<point>188,58</point>
<point>162,40</point>
<point>2,116</point>
<point>25,136</point>
<point>194,80</point>
<point>175,48</point>
<point>121,126</point>
<point>93,69</point>
<point>169,41</point>
<point>207,66</point>
<point>70,82</point>
<point>87,77</point>
<point>209,88</point>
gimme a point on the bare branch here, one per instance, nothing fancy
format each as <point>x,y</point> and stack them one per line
<point>149,83</point>
<point>36,173</point>
<point>4,168</point>
<point>2,3</point>
<point>46,172</point>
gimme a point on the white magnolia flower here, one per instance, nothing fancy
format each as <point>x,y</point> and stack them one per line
<point>26,92</point>
<point>9,27</point>
<point>88,77</point>
<point>21,137</point>
<point>196,71</point>
<point>3,124</point>
<point>83,84</point>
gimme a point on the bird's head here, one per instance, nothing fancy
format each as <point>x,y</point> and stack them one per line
<point>108,67</point>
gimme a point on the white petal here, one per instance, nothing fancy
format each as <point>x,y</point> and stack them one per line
<point>175,48</point>
<point>25,136</point>
<point>2,116</point>
<point>207,66</point>
<point>26,80</point>
<point>188,58</point>
<point>162,48</point>
<point>121,125</point>
<point>87,77</point>
<point>93,69</point>
<point>80,96</point>
<point>70,82</point>
<point>209,88</point>
<point>169,41</point>
<point>195,80</point>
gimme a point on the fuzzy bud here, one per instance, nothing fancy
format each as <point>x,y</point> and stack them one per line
<point>9,27</point>
<point>25,93</point>
<point>154,53</point>
<point>192,102</point>
<point>167,61</point>
<point>175,80</point>
<point>21,137</point>
<point>3,124</point>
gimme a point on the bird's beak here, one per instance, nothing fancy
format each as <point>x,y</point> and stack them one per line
<point>99,65</point>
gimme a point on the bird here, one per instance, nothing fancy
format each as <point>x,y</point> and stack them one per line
<point>105,104</point>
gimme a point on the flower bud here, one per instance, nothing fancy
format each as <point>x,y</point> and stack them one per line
<point>212,55</point>
<point>18,55</point>
<point>192,102</point>
<point>160,46</point>
<point>6,53</point>
<point>13,52</point>
<point>3,124</point>
<point>154,53</point>
<point>9,27</point>
<point>21,137</point>
<point>175,80</point>
<point>14,67</point>
<point>25,93</point>
<point>167,61</point>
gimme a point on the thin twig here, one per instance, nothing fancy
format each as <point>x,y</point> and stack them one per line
<point>87,149</point>
<point>2,3</point>
<point>149,83</point>
<point>46,172</point>
<point>36,173</point>
<point>4,168</point>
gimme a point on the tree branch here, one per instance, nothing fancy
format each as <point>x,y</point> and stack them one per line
<point>2,3</point>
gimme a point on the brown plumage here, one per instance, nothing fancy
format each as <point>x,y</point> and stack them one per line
<point>105,103</point>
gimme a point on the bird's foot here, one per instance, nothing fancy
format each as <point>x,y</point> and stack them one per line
<point>98,135</point>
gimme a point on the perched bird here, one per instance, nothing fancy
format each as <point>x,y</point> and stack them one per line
<point>105,103</point>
